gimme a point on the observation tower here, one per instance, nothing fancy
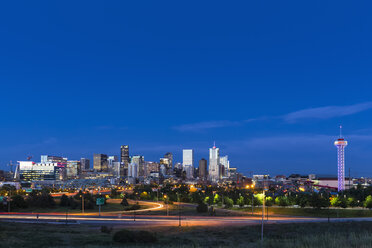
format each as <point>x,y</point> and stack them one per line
<point>341,143</point>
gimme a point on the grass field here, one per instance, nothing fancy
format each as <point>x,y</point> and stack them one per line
<point>319,235</point>
<point>110,206</point>
<point>311,212</point>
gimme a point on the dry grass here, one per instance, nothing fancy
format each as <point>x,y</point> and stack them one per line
<point>319,235</point>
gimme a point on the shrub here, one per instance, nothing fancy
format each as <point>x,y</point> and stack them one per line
<point>64,201</point>
<point>106,229</point>
<point>368,202</point>
<point>18,202</point>
<point>145,237</point>
<point>228,202</point>
<point>202,208</point>
<point>123,236</point>
<point>126,236</point>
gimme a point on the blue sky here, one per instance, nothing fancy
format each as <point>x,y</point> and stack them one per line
<point>270,81</point>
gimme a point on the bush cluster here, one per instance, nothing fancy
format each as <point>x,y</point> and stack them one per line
<point>126,236</point>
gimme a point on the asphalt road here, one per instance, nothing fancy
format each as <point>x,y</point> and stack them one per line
<point>139,220</point>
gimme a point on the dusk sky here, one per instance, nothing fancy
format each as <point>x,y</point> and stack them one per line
<point>269,81</point>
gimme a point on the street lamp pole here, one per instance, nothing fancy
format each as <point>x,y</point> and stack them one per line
<point>263,210</point>
<point>82,202</point>
<point>179,210</point>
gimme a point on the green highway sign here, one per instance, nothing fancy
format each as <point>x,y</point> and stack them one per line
<point>100,201</point>
<point>28,190</point>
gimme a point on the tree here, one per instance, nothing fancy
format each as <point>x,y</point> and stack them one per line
<point>202,208</point>
<point>42,200</point>
<point>317,201</point>
<point>269,201</point>
<point>302,200</point>
<point>368,202</point>
<point>64,201</point>
<point>72,203</point>
<point>338,201</point>
<point>228,202</point>
<point>217,199</point>
<point>351,202</point>
<point>124,202</point>
<point>240,201</point>
<point>281,201</point>
<point>18,202</point>
<point>114,193</point>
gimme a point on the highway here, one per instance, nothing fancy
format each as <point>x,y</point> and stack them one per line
<point>149,220</point>
<point>138,218</point>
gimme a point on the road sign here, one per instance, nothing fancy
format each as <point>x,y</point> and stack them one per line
<point>28,190</point>
<point>100,201</point>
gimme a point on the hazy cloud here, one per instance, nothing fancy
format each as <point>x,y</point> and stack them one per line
<point>310,113</point>
<point>206,125</point>
<point>200,126</point>
<point>327,112</point>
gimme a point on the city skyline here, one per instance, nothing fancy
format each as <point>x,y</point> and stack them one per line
<point>248,75</point>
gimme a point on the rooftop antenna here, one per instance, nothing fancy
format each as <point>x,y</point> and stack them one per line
<point>340,132</point>
<point>214,144</point>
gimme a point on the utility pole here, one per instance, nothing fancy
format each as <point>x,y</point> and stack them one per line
<point>179,210</point>
<point>9,198</point>
<point>252,201</point>
<point>66,215</point>
<point>349,179</point>
<point>82,202</point>
<point>263,214</point>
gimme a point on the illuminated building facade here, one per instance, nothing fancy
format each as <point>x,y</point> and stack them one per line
<point>214,164</point>
<point>202,169</point>
<point>30,171</point>
<point>73,169</point>
<point>100,162</point>
<point>85,164</point>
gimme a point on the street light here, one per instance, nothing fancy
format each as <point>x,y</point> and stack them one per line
<point>252,186</point>
<point>166,203</point>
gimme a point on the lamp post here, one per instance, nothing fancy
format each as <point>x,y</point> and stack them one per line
<point>82,202</point>
<point>179,210</point>
<point>166,203</point>
<point>263,214</point>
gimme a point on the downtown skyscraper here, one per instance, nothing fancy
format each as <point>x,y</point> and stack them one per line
<point>214,163</point>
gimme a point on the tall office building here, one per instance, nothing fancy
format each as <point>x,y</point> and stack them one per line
<point>178,166</point>
<point>188,157</point>
<point>85,164</point>
<point>116,168</point>
<point>225,166</point>
<point>167,165</point>
<point>189,169</point>
<point>140,162</point>
<point>188,162</point>
<point>202,169</point>
<point>341,143</point>
<point>124,160</point>
<point>100,162</point>
<point>214,164</point>
<point>111,160</point>
<point>73,169</point>
<point>132,172</point>
<point>169,156</point>
<point>124,154</point>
